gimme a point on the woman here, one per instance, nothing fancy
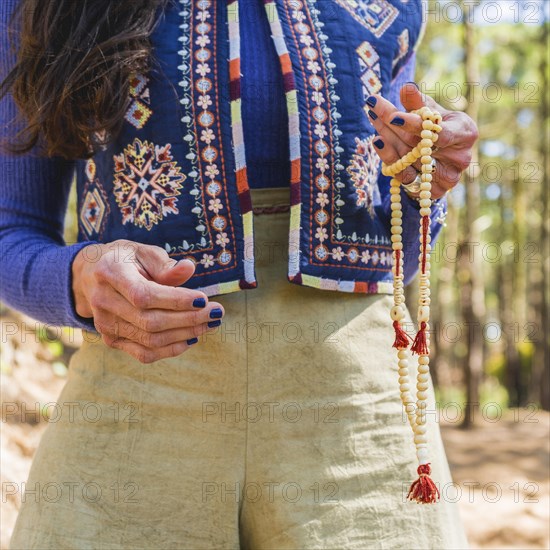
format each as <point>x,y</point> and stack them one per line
<point>221,149</point>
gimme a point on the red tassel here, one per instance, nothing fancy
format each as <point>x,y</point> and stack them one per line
<point>401,337</point>
<point>423,489</point>
<point>420,346</point>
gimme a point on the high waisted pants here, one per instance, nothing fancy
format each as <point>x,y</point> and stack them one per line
<point>282,428</point>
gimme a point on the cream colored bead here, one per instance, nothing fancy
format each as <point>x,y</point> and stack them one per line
<point>396,230</point>
<point>425,211</point>
<point>425,203</point>
<point>425,186</point>
<point>395,198</point>
<point>396,238</point>
<point>426,159</point>
<point>426,178</point>
<point>397,246</point>
<point>420,438</point>
<point>397,313</point>
<point>426,134</point>
<point>424,360</point>
<point>396,221</point>
<point>421,429</point>
<point>425,194</point>
<point>410,408</point>
<point>394,190</point>
<point>423,314</point>
<point>421,395</point>
<point>395,205</point>
<point>423,456</point>
<point>427,125</point>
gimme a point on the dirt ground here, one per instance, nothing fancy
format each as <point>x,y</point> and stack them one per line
<point>500,467</point>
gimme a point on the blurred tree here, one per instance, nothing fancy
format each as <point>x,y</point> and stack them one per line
<point>472,296</point>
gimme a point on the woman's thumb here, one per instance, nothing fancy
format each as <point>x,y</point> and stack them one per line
<point>162,269</point>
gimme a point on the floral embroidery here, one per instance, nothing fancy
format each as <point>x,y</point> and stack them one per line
<point>199,99</point>
<point>325,166</point>
<point>147,183</point>
<point>138,112</point>
<point>363,170</point>
<point>375,15</point>
<point>95,205</point>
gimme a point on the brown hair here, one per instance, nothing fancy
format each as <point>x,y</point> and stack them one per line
<point>73,65</point>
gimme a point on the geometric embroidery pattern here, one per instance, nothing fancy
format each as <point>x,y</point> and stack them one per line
<point>138,112</point>
<point>375,15</point>
<point>370,70</point>
<point>147,183</point>
<point>95,205</point>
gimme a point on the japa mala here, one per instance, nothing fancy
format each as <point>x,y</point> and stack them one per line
<point>423,489</point>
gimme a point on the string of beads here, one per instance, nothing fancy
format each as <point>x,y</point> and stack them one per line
<point>423,489</point>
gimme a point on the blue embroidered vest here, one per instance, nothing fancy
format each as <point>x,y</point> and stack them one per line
<point>176,175</point>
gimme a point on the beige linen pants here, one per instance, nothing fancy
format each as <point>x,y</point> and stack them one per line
<point>282,429</point>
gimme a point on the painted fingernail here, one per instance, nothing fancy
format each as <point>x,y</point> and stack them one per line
<point>398,121</point>
<point>414,84</point>
<point>373,115</point>
<point>216,313</point>
<point>371,101</point>
<point>379,143</point>
<point>213,324</point>
<point>199,302</point>
<point>192,341</point>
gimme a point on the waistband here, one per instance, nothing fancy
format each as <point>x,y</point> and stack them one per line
<point>270,200</point>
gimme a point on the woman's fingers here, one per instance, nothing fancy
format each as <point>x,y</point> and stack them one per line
<point>384,114</point>
<point>147,355</point>
<point>388,153</point>
<point>107,300</point>
<point>115,328</point>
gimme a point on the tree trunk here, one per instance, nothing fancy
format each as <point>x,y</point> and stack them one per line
<point>472,296</point>
<point>541,364</point>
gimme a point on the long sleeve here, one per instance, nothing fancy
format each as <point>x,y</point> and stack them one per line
<point>411,208</point>
<point>35,275</point>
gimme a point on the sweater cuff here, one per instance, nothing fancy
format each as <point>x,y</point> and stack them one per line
<point>73,318</point>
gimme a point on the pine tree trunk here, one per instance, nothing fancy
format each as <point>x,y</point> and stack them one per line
<point>472,295</point>
<point>541,365</point>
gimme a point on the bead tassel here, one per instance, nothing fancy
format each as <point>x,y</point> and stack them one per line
<point>423,489</point>
<point>401,337</point>
<point>420,346</point>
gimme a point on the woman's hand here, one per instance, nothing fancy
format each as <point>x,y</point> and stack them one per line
<point>400,131</point>
<point>132,292</point>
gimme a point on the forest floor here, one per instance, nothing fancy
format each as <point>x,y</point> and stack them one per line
<point>500,466</point>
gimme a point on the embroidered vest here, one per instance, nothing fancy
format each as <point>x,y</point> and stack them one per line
<point>176,175</point>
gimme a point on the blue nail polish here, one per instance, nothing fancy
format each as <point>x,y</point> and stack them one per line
<point>371,101</point>
<point>379,143</point>
<point>216,313</point>
<point>398,121</point>
<point>192,341</point>
<point>373,115</point>
<point>199,302</point>
<point>213,324</point>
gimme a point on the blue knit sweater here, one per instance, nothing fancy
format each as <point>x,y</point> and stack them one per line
<point>36,262</point>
